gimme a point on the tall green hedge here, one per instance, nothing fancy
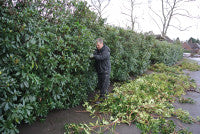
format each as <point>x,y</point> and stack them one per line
<point>167,53</point>
<point>130,52</point>
<point>44,57</point>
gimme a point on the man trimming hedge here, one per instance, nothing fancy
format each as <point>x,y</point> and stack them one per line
<point>103,67</point>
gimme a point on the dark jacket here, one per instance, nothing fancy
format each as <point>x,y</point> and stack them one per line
<point>102,60</point>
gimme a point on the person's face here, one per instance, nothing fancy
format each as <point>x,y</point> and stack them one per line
<point>99,45</point>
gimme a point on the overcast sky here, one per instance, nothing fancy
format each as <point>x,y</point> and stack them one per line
<point>114,16</point>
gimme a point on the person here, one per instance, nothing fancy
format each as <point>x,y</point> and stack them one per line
<point>103,67</point>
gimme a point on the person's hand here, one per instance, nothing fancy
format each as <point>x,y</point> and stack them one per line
<point>94,52</point>
<point>92,56</point>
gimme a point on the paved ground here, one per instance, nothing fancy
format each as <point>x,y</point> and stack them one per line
<point>193,109</point>
<point>54,123</point>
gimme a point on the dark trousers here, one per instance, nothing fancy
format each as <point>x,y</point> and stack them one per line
<point>103,84</point>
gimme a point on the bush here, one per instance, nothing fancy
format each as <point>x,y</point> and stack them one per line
<point>189,65</point>
<point>130,52</point>
<point>123,52</point>
<point>167,53</point>
<point>44,57</point>
<point>45,64</point>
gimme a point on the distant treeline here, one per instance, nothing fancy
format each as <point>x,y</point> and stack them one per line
<point>193,40</point>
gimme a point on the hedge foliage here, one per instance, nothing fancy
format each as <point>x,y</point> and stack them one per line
<point>44,57</point>
<point>163,52</point>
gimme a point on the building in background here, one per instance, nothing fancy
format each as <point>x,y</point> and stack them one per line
<point>191,47</point>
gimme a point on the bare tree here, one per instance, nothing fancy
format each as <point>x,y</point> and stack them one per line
<point>100,6</point>
<point>170,10</point>
<point>130,12</point>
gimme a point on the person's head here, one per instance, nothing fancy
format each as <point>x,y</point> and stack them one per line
<point>99,43</point>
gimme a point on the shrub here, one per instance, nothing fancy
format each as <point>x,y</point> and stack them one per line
<point>130,52</point>
<point>44,57</point>
<point>189,65</point>
<point>167,53</point>
<point>45,64</point>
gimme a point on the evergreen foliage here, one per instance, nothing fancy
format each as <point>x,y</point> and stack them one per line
<point>44,57</point>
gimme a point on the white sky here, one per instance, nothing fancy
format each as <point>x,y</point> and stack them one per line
<point>114,16</point>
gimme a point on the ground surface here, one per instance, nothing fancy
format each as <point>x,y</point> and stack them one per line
<point>55,121</point>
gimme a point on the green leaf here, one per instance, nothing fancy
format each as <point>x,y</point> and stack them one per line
<point>26,84</point>
<point>6,107</point>
<point>32,64</point>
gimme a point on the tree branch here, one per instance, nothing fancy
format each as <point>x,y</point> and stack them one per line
<point>181,29</point>
<point>126,14</point>
<point>156,14</point>
<point>156,23</point>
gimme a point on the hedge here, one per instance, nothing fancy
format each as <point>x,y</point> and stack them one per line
<point>44,57</point>
<point>167,53</point>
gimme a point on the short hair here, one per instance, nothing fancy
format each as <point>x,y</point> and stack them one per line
<point>100,40</point>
